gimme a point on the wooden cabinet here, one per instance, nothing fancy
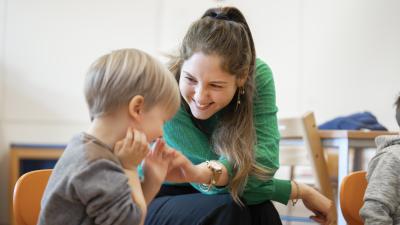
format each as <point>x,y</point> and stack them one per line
<point>25,158</point>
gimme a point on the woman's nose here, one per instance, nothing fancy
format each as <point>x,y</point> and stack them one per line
<point>200,94</point>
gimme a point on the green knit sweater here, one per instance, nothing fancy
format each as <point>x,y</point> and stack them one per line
<point>182,134</point>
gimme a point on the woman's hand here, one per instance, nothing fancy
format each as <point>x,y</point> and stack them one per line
<point>323,208</point>
<point>132,149</point>
<point>181,169</point>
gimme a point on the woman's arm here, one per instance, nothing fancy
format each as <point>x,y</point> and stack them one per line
<point>267,147</point>
<point>183,170</point>
<point>181,134</point>
<point>267,154</point>
<point>324,209</point>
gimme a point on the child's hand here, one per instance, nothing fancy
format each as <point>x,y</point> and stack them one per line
<point>132,149</point>
<point>155,165</point>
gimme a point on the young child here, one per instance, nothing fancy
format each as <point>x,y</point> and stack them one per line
<point>382,197</point>
<point>96,181</point>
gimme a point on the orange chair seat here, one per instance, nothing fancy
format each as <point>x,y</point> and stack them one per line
<point>352,192</point>
<point>28,192</point>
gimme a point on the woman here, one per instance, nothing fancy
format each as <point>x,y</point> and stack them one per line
<point>226,127</point>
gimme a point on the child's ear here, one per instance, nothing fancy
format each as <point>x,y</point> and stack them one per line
<point>136,107</point>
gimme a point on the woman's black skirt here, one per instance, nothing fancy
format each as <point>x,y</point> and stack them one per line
<point>184,205</point>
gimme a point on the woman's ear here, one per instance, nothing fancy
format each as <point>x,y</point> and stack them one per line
<point>241,81</point>
<point>136,107</point>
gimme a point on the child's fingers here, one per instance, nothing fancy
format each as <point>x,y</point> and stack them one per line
<point>160,152</point>
<point>157,145</point>
<point>118,146</point>
<point>144,146</point>
<point>144,140</point>
<point>136,145</point>
<point>130,136</point>
<point>146,151</point>
<point>154,146</point>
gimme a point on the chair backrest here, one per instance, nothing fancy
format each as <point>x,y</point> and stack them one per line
<point>305,128</point>
<point>28,192</point>
<point>352,192</point>
<point>294,154</point>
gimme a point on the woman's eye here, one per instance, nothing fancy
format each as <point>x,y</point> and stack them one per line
<point>216,86</point>
<point>190,79</point>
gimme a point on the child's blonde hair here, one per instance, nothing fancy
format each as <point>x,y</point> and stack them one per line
<point>115,78</point>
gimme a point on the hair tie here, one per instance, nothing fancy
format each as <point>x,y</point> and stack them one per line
<point>219,16</point>
<point>222,17</point>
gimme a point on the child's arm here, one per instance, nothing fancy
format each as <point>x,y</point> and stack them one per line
<point>131,152</point>
<point>137,192</point>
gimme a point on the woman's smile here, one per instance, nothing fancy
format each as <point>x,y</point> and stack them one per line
<point>205,86</point>
<point>202,106</point>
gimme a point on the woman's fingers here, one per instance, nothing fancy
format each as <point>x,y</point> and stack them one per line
<point>322,207</point>
<point>318,219</point>
<point>169,153</point>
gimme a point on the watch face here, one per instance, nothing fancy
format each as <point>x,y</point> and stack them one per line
<point>216,165</point>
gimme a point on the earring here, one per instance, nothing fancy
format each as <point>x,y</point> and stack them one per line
<point>240,92</point>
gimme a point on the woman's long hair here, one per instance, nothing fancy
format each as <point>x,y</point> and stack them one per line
<point>224,32</point>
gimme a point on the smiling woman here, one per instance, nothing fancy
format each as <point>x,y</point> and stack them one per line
<point>227,128</point>
<point>205,87</point>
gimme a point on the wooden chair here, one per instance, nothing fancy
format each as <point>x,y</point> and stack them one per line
<point>310,153</point>
<point>352,192</point>
<point>28,192</point>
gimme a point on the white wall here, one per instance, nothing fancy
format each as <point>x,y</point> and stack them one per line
<point>3,145</point>
<point>332,57</point>
<point>350,53</point>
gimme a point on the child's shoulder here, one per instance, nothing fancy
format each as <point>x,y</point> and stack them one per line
<point>94,149</point>
<point>84,150</point>
<point>387,157</point>
<point>388,144</point>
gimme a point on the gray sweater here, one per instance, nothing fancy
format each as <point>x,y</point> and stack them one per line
<point>382,197</point>
<point>88,186</point>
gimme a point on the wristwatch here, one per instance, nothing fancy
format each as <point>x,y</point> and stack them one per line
<point>216,171</point>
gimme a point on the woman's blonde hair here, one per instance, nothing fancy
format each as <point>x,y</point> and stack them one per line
<point>224,32</point>
<point>115,78</point>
